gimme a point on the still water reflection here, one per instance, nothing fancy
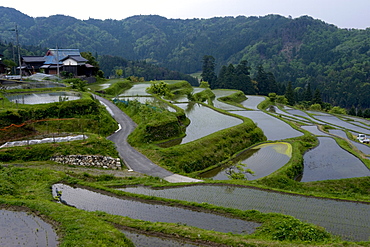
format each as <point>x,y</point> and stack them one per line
<point>262,160</point>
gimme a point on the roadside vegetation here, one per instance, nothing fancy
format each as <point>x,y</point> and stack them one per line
<point>26,177</point>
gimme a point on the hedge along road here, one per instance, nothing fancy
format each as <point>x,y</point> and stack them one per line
<point>132,158</point>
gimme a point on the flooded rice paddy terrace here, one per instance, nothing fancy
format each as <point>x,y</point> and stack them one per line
<point>18,228</point>
<point>339,123</point>
<point>273,128</point>
<point>349,220</point>
<point>330,161</point>
<point>205,121</point>
<point>93,201</point>
<point>42,98</point>
<point>263,160</point>
<point>138,89</point>
<point>252,102</point>
<point>141,240</point>
<point>365,149</point>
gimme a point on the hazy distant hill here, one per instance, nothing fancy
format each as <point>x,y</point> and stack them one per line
<point>301,50</point>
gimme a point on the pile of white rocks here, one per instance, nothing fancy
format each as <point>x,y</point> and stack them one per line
<point>89,161</point>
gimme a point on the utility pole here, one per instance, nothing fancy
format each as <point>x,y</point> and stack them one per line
<point>19,52</point>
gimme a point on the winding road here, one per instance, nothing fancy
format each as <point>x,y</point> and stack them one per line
<point>132,158</point>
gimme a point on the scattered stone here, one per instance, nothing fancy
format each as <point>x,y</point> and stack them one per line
<point>89,160</point>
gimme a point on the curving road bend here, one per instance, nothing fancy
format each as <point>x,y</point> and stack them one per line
<point>132,158</point>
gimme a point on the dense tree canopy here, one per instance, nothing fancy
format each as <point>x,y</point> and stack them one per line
<point>301,50</point>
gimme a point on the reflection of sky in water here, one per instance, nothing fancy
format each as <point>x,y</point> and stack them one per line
<point>141,240</point>
<point>137,90</point>
<point>42,98</point>
<point>149,100</point>
<point>329,161</point>
<point>262,160</point>
<point>362,147</point>
<point>314,130</point>
<point>24,229</point>
<point>205,121</point>
<point>221,105</point>
<point>93,201</point>
<point>273,128</point>
<point>252,102</point>
<point>303,114</point>
<point>343,124</point>
<point>331,214</point>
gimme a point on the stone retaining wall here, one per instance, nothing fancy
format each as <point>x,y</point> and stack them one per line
<point>89,161</point>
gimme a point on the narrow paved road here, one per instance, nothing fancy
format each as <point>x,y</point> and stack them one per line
<point>133,159</point>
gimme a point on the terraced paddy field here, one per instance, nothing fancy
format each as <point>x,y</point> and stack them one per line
<point>333,120</point>
<point>262,160</point>
<point>139,89</point>
<point>273,128</point>
<point>252,102</point>
<point>18,228</point>
<point>364,148</point>
<point>42,98</point>
<point>349,220</point>
<point>142,240</point>
<point>205,121</point>
<point>92,201</point>
<point>329,161</point>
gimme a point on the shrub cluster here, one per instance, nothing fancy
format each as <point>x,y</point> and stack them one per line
<point>154,123</point>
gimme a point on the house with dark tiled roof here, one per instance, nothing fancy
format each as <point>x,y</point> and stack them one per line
<point>68,60</point>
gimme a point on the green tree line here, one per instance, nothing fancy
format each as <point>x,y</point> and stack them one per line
<point>300,50</point>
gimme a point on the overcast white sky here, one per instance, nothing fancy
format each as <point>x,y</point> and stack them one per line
<point>342,13</point>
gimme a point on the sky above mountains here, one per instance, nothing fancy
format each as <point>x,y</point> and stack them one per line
<point>342,13</point>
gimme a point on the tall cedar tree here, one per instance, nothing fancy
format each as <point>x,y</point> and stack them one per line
<point>308,93</point>
<point>317,97</point>
<point>289,94</point>
<point>262,81</point>
<point>245,82</point>
<point>208,68</point>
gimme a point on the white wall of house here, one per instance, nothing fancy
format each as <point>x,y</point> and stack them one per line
<point>71,62</point>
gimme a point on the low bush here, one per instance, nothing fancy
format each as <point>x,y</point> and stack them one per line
<point>118,87</point>
<point>205,95</point>
<point>235,97</point>
<point>210,150</point>
<point>154,123</point>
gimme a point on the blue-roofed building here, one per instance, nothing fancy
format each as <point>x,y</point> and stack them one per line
<point>67,60</point>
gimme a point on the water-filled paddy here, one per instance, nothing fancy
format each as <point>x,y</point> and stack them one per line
<point>149,100</point>
<point>205,121</point>
<point>273,128</point>
<point>302,114</point>
<point>141,240</point>
<point>362,147</point>
<point>23,229</point>
<point>329,161</point>
<point>343,124</point>
<point>252,102</point>
<point>139,89</point>
<point>347,219</point>
<point>42,98</point>
<point>92,201</point>
<point>263,160</point>
<point>184,98</point>
<point>221,105</point>
<point>30,85</point>
<point>314,130</point>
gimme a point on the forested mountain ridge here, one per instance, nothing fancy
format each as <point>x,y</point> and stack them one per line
<point>301,50</point>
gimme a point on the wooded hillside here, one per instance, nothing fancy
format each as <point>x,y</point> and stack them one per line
<point>302,50</point>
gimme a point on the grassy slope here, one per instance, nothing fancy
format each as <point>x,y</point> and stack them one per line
<point>36,195</point>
